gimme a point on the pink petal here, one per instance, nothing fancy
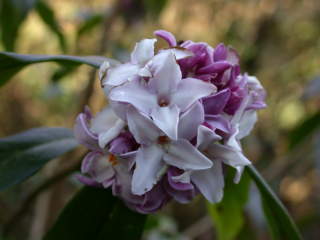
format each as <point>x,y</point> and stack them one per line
<point>167,36</point>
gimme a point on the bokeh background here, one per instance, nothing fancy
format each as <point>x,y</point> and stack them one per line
<point>278,41</point>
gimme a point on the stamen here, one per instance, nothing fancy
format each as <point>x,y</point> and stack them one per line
<point>163,102</point>
<point>113,160</point>
<point>163,140</point>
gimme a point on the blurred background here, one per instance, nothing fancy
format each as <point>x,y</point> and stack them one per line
<point>278,41</point>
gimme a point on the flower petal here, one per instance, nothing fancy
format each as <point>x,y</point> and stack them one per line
<point>205,137</point>
<point>183,96</point>
<point>166,118</point>
<point>83,134</point>
<point>210,182</point>
<point>148,164</point>
<point>215,104</point>
<point>184,155</point>
<point>166,73</point>
<point>143,51</point>
<point>228,155</point>
<point>142,127</point>
<point>246,124</point>
<point>110,134</point>
<point>167,36</point>
<point>120,74</point>
<point>136,94</point>
<point>103,121</point>
<point>190,120</point>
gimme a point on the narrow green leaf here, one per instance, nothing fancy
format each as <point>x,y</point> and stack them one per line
<point>91,22</point>
<point>48,17</point>
<point>124,224</point>
<point>281,224</point>
<point>23,154</point>
<point>12,15</point>
<point>155,7</point>
<point>228,215</point>
<point>304,129</point>
<point>12,63</point>
<point>84,216</point>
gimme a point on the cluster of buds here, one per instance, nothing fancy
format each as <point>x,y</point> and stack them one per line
<point>174,121</point>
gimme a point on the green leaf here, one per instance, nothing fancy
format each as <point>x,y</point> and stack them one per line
<point>124,224</point>
<point>84,216</point>
<point>12,63</point>
<point>91,22</point>
<point>48,17</point>
<point>304,129</point>
<point>12,14</point>
<point>155,7</point>
<point>227,216</point>
<point>281,224</point>
<point>23,154</point>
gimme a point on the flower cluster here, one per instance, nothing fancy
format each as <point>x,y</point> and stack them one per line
<point>175,120</point>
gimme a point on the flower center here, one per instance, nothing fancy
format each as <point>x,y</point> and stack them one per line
<point>163,102</point>
<point>112,159</point>
<point>163,140</point>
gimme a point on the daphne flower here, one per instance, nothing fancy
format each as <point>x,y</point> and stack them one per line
<point>165,95</point>
<point>157,151</point>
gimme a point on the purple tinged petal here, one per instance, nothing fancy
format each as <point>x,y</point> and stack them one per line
<point>218,122</point>
<point>142,127</point>
<point>167,36</point>
<point>107,136</point>
<point>83,134</point>
<point>88,181</point>
<point>216,103</point>
<point>189,91</point>
<point>102,169</point>
<point>121,74</point>
<point>220,52</point>
<point>166,74</point>
<point>233,56</point>
<point>210,182</point>
<point>190,120</point>
<point>184,155</point>
<point>229,155</point>
<point>216,67</point>
<point>148,165</point>
<point>136,94</point>
<point>143,51</point>
<point>246,123</point>
<point>166,118</point>
<point>123,144</point>
<point>88,161</point>
<point>205,137</point>
<point>103,121</point>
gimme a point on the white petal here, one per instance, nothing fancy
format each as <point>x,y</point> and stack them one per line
<point>190,90</point>
<point>246,124</point>
<point>166,73</point>
<point>136,94</point>
<point>183,178</point>
<point>107,136</point>
<point>179,52</point>
<point>104,120</point>
<point>103,70</point>
<point>210,182</point>
<point>184,155</point>
<point>228,155</point>
<point>166,118</point>
<point>206,137</point>
<point>142,127</point>
<point>102,169</point>
<point>143,51</point>
<point>121,74</point>
<point>148,165</point>
<point>190,120</point>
